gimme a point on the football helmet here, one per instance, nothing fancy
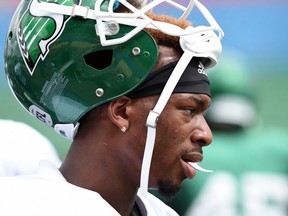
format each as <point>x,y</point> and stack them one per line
<point>54,54</point>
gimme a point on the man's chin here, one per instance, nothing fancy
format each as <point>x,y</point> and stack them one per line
<point>167,189</point>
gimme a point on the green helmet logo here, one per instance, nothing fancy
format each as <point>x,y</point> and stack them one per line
<point>32,39</point>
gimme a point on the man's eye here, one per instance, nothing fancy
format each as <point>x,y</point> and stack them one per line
<point>190,111</point>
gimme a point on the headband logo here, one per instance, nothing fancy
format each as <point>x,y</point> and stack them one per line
<point>201,69</point>
<point>37,30</point>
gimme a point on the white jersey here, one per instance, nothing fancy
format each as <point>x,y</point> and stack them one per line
<point>48,193</point>
<point>22,147</point>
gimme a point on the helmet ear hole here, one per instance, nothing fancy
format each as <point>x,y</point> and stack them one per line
<point>100,59</point>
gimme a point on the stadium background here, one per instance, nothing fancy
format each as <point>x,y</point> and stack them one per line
<point>257,29</point>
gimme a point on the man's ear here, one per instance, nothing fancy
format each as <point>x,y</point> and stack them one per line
<point>117,112</point>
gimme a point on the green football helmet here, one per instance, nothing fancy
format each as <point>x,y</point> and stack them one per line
<point>60,64</point>
<point>58,69</point>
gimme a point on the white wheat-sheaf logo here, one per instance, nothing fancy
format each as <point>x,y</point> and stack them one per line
<point>37,30</point>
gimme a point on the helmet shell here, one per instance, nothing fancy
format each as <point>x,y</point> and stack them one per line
<point>58,69</point>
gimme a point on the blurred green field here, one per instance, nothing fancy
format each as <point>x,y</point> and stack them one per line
<point>273,99</point>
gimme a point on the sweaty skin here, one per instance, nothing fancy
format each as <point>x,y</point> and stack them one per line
<point>111,165</point>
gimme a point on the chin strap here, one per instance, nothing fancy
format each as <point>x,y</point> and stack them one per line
<point>154,115</point>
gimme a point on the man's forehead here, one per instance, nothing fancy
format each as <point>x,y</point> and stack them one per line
<point>165,56</point>
<point>198,98</point>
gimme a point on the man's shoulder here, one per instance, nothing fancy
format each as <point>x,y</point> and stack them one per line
<point>49,194</point>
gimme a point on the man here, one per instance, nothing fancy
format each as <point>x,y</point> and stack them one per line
<point>95,87</point>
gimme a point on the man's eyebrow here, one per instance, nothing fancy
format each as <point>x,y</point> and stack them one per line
<point>199,101</point>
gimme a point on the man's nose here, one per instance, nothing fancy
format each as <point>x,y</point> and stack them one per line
<point>202,133</point>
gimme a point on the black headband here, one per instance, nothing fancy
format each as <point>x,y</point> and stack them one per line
<point>193,80</point>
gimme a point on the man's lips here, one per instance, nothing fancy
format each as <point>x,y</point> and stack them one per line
<point>190,157</point>
<point>195,157</point>
<point>188,170</point>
